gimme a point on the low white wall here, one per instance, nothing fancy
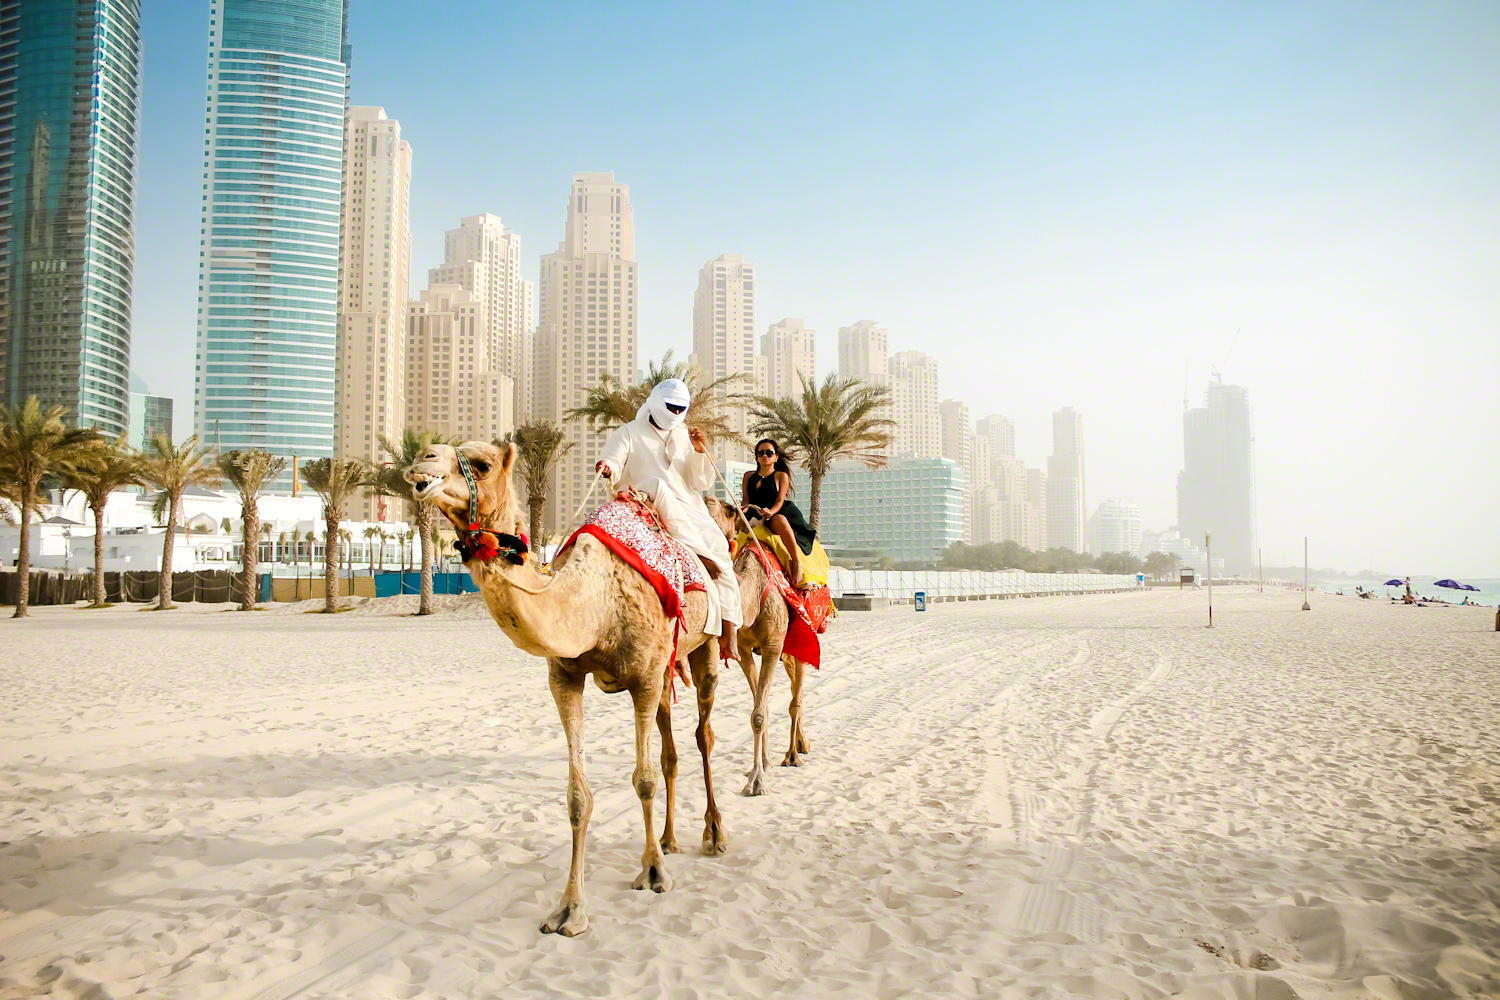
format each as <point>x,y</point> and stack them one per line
<point>970,584</point>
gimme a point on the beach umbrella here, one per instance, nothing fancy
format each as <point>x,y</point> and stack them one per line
<point>1393,583</point>
<point>1452,585</point>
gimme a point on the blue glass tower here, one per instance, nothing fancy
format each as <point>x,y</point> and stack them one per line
<point>278,74</point>
<point>69,102</point>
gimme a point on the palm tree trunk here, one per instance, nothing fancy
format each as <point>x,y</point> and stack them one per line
<point>814,499</point>
<point>536,504</point>
<point>250,557</point>
<point>23,554</point>
<point>164,578</point>
<point>331,561</point>
<point>424,533</point>
<point>99,595</point>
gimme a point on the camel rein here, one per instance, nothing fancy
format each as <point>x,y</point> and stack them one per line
<point>479,542</point>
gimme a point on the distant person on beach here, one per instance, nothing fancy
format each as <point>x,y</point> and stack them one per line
<point>1408,589</point>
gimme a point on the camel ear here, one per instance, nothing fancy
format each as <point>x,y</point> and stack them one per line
<point>508,459</point>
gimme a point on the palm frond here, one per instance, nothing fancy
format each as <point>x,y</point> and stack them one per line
<point>614,402</point>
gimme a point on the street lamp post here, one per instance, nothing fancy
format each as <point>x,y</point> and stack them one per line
<point>1305,606</point>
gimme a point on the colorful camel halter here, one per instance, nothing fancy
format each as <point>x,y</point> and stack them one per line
<point>477,542</point>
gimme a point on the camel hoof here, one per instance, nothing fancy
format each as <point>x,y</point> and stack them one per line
<point>653,877</point>
<point>792,759</point>
<point>755,786</point>
<point>669,846</point>
<point>715,840</point>
<point>569,921</point>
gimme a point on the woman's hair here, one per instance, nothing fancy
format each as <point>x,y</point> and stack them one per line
<point>781,462</point>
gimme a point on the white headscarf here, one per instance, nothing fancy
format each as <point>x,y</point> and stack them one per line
<point>672,390</point>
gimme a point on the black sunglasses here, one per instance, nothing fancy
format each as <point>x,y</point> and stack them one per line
<point>766,453</point>
<point>673,407</point>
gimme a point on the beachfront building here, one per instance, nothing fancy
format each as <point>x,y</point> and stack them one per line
<point>915,405</point>
<point>1065,493</point>
<point>724,338</point>
<point>586,326</point>
<point>909,512</point>
<point>373,291</point>
<point>788,349</point>
<point>268,269</point>
<point>454,384</point>
<point>1116,526</point>
<point>69,107</point>
<point>1216,488</point>
<point>484,258</point>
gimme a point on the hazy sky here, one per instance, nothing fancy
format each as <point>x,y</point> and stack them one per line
<point>1067,204</point>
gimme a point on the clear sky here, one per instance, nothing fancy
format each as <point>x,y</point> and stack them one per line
<point>1083,204</point>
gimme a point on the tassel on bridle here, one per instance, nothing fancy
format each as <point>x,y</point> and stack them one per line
<point>485,544</point>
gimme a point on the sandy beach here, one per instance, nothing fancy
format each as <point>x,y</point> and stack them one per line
<point>1089,796</point>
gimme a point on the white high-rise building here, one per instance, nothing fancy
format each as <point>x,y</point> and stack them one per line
<point>788,349</point>
<point>914,404</point>
<point>454,387</point>
<point>864,352</point>
<point>958,446</point>
<point>374,286</point>
<point>1065,492</point>
<point>1116,527</point>
<point>484,257</point>
<point>586,324</point>
<point>1036,498</point>
<point>724,338</point>
<point>1001,433</point>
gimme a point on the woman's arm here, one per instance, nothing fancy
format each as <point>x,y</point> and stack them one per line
<point>745,491</point>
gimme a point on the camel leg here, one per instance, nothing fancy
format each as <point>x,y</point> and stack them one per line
<point>668,772</point>
<point>705,663</point>
<point>570,918</point>
<point>761,694</point>
<point>796,670</point>
<point>653,869</point>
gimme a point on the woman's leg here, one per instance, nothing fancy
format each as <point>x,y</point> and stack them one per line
<point>783,529</point>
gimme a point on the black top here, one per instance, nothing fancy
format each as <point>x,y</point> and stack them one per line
<point>762,491</point>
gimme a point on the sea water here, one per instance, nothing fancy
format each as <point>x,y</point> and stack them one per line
<point>1488,594</point>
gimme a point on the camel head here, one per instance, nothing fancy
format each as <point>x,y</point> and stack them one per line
<point>436,478</point>
<point>723,516</point>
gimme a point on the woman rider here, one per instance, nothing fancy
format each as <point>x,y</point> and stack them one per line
<point>766,494</point>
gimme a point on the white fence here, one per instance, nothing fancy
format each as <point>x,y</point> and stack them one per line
<point>970,585</point>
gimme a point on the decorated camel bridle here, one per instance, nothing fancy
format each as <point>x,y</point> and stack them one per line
<point>478,542</point>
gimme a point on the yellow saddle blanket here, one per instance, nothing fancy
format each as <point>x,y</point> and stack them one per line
<point>814,566</point>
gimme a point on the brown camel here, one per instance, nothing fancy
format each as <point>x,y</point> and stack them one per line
<point>766,618</point>
<point>594,615</point>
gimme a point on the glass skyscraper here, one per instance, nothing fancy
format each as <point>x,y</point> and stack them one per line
<point>69,101</point>
<point>278,73</point>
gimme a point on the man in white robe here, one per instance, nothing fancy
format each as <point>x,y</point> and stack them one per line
<point>659,455</point>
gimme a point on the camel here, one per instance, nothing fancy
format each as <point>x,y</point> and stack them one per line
<point>593,616</point>
<point>766,619</point>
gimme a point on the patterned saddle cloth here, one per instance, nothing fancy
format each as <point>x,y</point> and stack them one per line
<point>630,529</point>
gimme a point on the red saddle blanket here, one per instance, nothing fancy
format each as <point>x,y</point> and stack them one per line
<point>809,611</point>
<point>630,530</point>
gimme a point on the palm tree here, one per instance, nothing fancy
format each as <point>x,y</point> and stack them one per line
<point>336,480</point>
<point>96,473</point>
<point>839,418</point>
<point>249,472</point>
<point>172,469</point>
<point>267,529</point>
<point>614,402</point>
<point>388,481</point>
<point>34,442</point>
<point>539,447</point>
<point>371,533</point>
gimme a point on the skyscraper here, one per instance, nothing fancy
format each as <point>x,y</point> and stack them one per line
<point>1116,526</point>
<point>268,268</point>
<point>913,380</point>
<point>586,323</point>
<point>453,385</point>
<point>69,103</point>
<point>1065,492</point>
<point>1216,488</point>
<point>864,349</point>
<point>1001,433</point>
<point>484,257</point>
<point>724,336</point>
<point>788,349</point>
<point>373,291</point>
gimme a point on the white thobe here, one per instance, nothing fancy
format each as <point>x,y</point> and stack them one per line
<point>665,465</point>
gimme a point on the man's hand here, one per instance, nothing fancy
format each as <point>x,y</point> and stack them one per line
<point>603,469</point>
<point>700,443</point>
